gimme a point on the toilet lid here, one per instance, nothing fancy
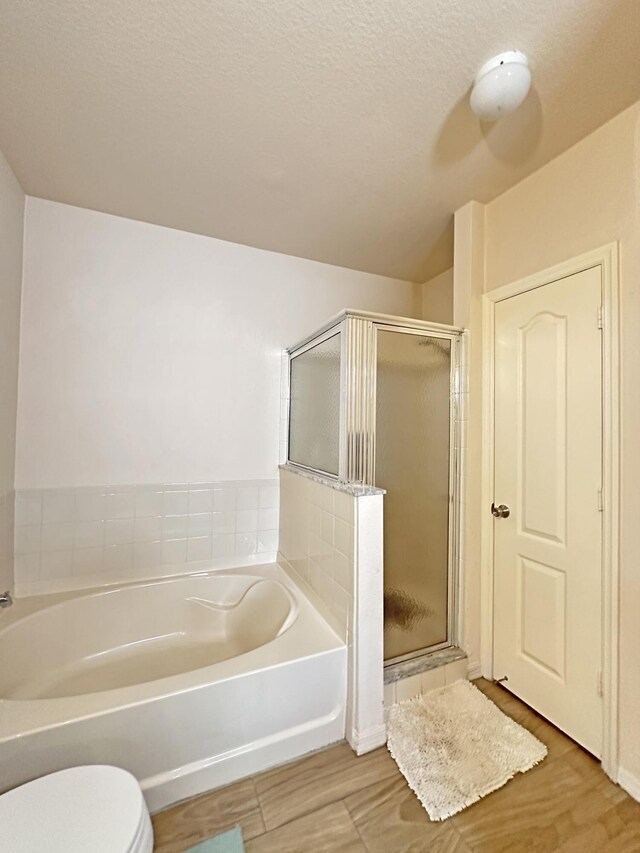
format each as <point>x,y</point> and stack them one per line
<point>95,808</point>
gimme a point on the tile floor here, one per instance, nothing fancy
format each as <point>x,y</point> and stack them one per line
<point>333,802</point>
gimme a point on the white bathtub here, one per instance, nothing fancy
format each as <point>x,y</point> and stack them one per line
<point>188,682</point>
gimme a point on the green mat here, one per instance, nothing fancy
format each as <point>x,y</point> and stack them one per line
<point>228,842</point>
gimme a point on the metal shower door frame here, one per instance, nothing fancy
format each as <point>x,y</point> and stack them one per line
<point>454,336</point>
<point>358,379</point>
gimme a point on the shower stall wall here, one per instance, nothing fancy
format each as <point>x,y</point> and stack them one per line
<point>375,400</point>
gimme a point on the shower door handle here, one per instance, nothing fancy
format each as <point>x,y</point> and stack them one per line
<point>501,511</point>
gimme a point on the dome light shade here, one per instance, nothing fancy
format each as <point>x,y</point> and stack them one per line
<point>501,85</point>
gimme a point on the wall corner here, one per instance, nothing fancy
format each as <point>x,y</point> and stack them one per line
<point>468,288</point>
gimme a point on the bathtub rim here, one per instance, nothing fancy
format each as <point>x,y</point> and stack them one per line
<point>309,636</point>
<point>65,598</point>
<point>28,605</point>
<point>251,581</point>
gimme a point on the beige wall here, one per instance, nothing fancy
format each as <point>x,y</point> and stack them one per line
<point>11,229</point>
<point>437,298</point>
<point>150,355</point>
<point>587,197</point>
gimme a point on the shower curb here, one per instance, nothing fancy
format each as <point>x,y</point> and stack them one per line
<point>403,669</point>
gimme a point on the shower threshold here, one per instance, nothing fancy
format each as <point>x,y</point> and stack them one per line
<point>429,660</point>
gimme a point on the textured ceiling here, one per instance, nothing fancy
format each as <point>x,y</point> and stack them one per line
<point>337,130</point>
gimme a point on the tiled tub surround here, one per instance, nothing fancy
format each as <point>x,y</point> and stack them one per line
<point>85,537</point>
<point>317,542</point>
<point>7,502</point>
<point>331,546</point>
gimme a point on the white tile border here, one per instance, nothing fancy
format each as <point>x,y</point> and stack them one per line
<point>317,544</point>
<point>76,538</point>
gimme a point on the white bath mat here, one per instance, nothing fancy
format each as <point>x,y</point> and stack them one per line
<point>454,746</point>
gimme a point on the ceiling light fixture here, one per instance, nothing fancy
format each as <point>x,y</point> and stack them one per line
<point>501,85</point>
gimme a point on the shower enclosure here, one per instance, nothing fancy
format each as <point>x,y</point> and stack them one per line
<point>373,400</point>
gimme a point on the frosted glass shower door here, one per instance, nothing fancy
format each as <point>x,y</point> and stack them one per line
<point>413,452</point>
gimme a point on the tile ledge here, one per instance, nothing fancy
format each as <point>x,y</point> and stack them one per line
<point>353,489</point>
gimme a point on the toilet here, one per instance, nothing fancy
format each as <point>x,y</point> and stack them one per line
<point>92,809</point>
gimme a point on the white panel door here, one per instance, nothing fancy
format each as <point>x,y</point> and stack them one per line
<point>548,472</point>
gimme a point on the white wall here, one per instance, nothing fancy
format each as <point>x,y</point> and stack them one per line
<point>150,355</point>
<point>437,298</point>
<point>11,231</point>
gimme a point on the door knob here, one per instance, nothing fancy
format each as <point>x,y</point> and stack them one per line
<point>501,511</point>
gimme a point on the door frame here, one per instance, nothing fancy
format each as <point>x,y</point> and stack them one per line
<point>605,257</point>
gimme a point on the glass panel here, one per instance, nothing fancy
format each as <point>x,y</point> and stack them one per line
<point>412,464</point>
<point>314,419</point>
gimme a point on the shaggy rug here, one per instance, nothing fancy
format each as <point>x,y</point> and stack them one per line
<point>454,746</point>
